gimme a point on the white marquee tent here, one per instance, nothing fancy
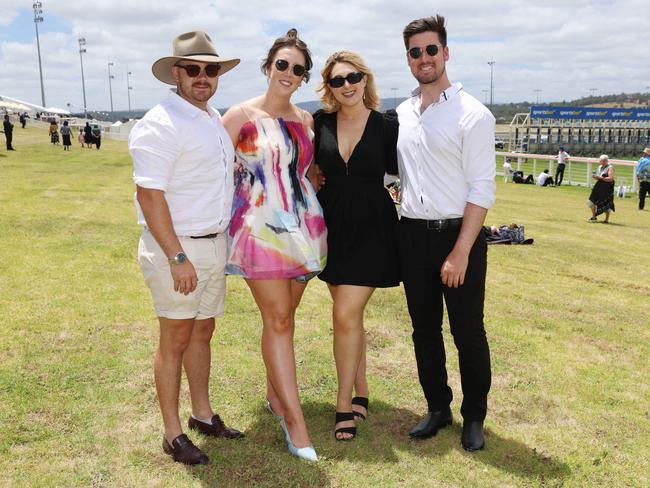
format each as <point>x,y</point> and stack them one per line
<point>15,105</point>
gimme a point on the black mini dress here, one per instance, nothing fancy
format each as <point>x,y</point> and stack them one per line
<point>359,213</point>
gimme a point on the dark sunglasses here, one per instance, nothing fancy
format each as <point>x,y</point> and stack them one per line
<point>416,52</point>
<point>282,65</point>
<point>193,70</point>
<point>352,78</point>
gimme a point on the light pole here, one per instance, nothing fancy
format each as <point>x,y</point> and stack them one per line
<point>394,90</point>
<point>82,49</point>
<point>491,63</point>
<point>110,86</point>
<point>128,88</point>
<point>38,17</point>
<point>486,91</point>
<point>592,91</point>
<point>537,92</point>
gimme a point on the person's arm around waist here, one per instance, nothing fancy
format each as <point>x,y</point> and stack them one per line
<point>454,268</point>
<point>159,222</point>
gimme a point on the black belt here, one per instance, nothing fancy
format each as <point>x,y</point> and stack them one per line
<point>207,236</point>
<point>439,224</point>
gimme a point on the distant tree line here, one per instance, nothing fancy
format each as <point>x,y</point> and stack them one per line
<point>503,112</point>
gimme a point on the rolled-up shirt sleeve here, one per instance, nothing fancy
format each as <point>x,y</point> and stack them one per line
<point>479,161</point>
<point>153,145</point>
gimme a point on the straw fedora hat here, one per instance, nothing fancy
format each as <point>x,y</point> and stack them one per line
<point>193,46</point>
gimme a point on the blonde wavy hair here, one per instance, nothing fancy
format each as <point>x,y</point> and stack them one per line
<point>370,97</point>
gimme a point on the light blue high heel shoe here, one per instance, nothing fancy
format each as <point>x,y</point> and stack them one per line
<point>270,409</point>
<point>308,452</point>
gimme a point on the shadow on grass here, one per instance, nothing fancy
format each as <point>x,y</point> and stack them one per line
<point>262,458</point>
<point>385,435</point>
<point>515,457</point>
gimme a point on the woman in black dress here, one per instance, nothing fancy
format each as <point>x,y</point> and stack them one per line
<point>354,146</point>
<point>65,135</point>
<point>601,199</point>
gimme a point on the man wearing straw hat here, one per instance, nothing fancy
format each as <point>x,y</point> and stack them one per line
<point>183,167</point>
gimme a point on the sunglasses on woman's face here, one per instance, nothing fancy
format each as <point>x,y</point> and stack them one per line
<point>416,52</point>
<point>193,70</point>
<point>282,65</point>
<point>351,78</point>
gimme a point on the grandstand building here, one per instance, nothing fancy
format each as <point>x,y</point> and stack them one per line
<point>583,131</point>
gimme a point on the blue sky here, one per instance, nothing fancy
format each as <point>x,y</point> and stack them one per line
<point>22,28</point>
<point>561,47</point>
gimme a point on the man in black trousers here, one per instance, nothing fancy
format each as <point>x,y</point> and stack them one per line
<point>447,169</point>
<point>8,129</point>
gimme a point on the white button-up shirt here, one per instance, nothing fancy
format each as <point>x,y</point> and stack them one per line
<point>446,155</point>
<point>187,153</point>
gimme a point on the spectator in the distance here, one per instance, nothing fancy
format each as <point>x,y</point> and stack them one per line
<point>643,175</point>
<point>544,179</point>
<point>562,158</point>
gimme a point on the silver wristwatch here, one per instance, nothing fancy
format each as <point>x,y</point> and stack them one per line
<point>179,258</point>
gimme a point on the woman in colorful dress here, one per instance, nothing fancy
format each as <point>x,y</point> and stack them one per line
<point>355,145</point>
<point>277,235</point>
<point>601,199</point>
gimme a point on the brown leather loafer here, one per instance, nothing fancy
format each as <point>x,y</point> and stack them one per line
<point>182,450</point>
<point>216,429</point>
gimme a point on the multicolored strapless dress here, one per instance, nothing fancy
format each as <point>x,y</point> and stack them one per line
<point>277,229</point>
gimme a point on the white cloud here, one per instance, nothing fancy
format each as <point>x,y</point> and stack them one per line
<point>562,47</point>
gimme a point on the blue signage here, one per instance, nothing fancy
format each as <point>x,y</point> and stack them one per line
<point>589,113</point>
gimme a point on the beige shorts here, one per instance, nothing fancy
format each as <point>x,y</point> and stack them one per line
<point>209,259</point>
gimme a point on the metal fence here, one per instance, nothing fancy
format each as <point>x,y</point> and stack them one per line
<point>578,169</point>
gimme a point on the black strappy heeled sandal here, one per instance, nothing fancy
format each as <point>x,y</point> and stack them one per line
<point>360,402</point>
<point>342,417</point>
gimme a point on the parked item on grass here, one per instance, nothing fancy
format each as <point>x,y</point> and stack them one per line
<point>506,234</point>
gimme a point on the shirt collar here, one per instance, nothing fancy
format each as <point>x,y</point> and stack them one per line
<point>187,107</point>
<point>447,94</point>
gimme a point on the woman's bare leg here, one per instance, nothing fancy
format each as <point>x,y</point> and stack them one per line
<point>275,299</point>
<point>349,342</point>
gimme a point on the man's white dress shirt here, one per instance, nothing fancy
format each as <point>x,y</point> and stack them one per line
<point>446,155</point>
<point>187,153</point>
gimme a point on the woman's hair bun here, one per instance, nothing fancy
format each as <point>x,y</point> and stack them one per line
<point>292,33</point>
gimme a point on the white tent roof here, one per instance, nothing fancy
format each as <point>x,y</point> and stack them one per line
<point>31,107</point>
<point>56,111</point>
<point>7,105</point>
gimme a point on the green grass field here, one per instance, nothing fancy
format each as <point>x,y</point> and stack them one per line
<point>567,320</point>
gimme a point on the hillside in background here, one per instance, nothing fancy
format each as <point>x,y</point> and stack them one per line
<point>504,112</point>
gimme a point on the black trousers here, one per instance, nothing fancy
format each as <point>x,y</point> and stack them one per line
<point>644,188</point>
<point>422,253</point>
<point>559,174</point>
<point>9,136</point>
